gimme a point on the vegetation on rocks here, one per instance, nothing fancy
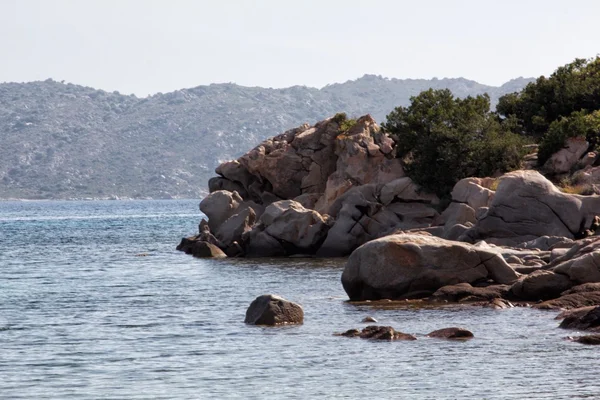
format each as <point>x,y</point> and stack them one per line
<point>563,105</point>
<point>443,139</point>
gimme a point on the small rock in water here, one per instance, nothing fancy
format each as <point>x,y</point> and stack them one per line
<point>452,333</point>
<point>588,339</point>
<point>273,310</point>
<point>378,333</point>
<point>369,319</point>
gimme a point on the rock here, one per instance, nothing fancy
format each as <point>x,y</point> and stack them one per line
<point>588,339</point>
<point>350,333</point>
<point>574,313</point>
<point>546,243</point>
<point>205,250</point>
<point>369,319</point>
<point>471,193</point>
<point>456,213</point>
<point>571,301</point>
<point>404,189</point>
<point>219,206</point>
<point>527,206</point>
<point>381,333</point>
<point>461,291</point>
<point>260,244</point>
<point>273,310</point>
<point>498,304</point>
<point>584,288</point>
<point>392,266</point>
<point>287,221</point>
<point>584,267</point>
<point>541,285</point>
<point>363,157</point>
<point>587,160</point>
<point>590,321</point>
<point>563,160</point>
<point>235,226</point>
<point>451,333</point>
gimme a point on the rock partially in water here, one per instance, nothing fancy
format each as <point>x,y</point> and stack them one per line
<point>369,319</point>
<point>453,333</point>
<point>274,310</point>
<point>541,285</point>
<point>571,301</point>
<point>466,292</point>
<point>392,266</point>
<point>200,248</point>
<point>378,333</point>
<point>587,339</point>
<point>588,321</point>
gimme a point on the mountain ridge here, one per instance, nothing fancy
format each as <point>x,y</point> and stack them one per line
<point>64,141</point>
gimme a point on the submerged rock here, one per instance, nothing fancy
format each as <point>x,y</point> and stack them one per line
<point>452,333</point>
<point>273,310</point>
<point>378,333</point>
<point>587,339</point>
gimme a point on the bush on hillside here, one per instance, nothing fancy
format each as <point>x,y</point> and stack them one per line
<point>443,139</point>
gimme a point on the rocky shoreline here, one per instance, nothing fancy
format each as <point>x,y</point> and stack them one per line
<point>337,189</point>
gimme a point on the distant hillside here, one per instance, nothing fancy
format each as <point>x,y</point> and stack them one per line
<point>60,141</point>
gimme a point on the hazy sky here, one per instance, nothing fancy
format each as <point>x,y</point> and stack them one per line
<point>149,46</point>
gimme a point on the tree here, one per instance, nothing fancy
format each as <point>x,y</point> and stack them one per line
<point>443,139</point>
<point>573,87</point>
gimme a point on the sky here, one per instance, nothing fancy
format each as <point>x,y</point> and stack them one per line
<point>147,46</point>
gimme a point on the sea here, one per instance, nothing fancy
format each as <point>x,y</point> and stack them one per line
<point>96,303</point>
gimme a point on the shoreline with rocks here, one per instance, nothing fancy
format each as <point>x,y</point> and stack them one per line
<point>334,191</point>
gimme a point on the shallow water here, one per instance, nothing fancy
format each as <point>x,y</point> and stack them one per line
<point>96,303</point>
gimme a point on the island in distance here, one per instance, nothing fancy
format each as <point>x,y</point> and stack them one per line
<point>63,141</point>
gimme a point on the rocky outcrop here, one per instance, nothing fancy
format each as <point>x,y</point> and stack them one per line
<point>273,310</point>
<point>527,206</point>
<point>541,285</point>
<point>394,266</point>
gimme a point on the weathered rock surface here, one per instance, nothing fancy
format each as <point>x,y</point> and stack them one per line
<point>453,333</point>
<point>395,265</point>
<point>286,228</point>
<point>273,310</point>
<point>563,160</point>
<point>527,206</point>
<point>541,285</point>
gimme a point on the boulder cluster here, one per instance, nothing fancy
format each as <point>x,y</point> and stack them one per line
<point>338,189</point>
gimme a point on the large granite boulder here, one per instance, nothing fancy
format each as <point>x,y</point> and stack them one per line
<point>273,310</point>
<point>394,266</point>
<point>541,285</point>
<point>526,206</point>
<point>286,228</point>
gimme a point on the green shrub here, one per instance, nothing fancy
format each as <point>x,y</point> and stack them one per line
<point>573,87</point>
<point>578,124</point>
<point>443,139</point>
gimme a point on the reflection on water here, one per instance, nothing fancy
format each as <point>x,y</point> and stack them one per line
<point>82,316</point>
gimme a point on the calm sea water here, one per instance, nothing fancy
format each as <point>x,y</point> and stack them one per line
<point>96,303</point>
